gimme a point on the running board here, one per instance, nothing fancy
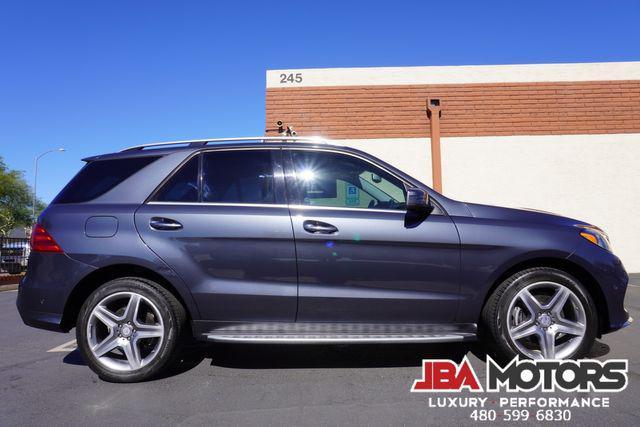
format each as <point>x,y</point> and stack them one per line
<point>338,339</point>
<point>327,333</point>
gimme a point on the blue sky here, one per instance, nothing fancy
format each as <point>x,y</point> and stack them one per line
<point>95,77</point>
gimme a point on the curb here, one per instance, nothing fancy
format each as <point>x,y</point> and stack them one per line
<point>10,279</point>
<point>10,282</point>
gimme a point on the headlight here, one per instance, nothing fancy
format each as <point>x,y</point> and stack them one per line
<point>595,236</point>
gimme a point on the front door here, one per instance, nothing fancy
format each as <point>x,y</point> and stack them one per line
<point>222,224</point>
<point>358,258</point>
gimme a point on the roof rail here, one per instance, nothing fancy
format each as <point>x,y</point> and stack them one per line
<point>203,142</point>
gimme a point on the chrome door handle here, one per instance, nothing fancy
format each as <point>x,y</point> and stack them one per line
<point>319,227</point>
<point>164,224</point>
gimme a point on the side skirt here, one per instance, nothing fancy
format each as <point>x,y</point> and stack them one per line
<point>327,333</point>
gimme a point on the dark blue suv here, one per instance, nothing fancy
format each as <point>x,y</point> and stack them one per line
<point>272,240</point>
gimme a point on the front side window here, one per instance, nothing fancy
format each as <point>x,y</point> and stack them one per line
<point>241,176</point>
<point>338,180</point>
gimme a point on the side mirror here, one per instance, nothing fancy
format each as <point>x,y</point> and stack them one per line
<point>417,200</point>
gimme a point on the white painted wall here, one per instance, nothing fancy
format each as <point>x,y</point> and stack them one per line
<point>412,155</point>
<point>593,178</point>
<point>457,74</point>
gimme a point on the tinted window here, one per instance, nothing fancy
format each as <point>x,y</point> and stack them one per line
<point>100,176</point>
<point>182,186</point>
<point>238,177</point>
<point>338,180</point>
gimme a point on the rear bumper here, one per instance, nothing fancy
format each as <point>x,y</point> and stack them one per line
<point>608,271</point>
<point>38,319</point>
<point>43,292</point>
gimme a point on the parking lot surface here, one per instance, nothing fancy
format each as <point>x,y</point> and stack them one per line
<point>43,380</point>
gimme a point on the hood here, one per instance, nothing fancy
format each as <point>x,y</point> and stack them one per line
<point>520,215</point>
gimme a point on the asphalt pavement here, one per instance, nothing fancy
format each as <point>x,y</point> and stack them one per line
<point>262,385</point>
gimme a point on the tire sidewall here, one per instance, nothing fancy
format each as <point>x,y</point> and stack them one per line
<point>505,343</point>
<point>164,356</point>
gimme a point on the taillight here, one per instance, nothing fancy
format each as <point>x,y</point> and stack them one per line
<point>41,240</point>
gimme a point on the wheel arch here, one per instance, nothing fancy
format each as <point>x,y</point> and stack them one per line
<point>100,276</point>
<point>575,270</point>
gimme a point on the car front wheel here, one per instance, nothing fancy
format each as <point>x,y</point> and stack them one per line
<point>130,329</point>
<point>540,313</point>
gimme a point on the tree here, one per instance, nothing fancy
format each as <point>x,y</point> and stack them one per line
<point>15,200</point>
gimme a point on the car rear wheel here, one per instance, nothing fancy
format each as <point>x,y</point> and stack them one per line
<point>130,329</point>
<point>539,313</point>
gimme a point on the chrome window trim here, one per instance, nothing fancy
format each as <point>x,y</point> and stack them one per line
<point>341,208</point>
<point>259,205</point>
<point>293,206</point>
<point>253,205</point>
<point>337,151</point>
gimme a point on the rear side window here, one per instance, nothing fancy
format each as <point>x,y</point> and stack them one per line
<point>238,177</point>
<point>100,176</point>
<point>182,186</point>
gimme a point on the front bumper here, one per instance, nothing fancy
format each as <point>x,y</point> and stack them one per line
<point>628,322</point>
<point>45,289</point>
<point>608,271</point>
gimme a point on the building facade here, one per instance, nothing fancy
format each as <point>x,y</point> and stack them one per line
<point>563,138</point>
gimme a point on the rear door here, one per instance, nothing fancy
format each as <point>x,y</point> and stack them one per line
<point>221,222</point>
<point>360,258</point>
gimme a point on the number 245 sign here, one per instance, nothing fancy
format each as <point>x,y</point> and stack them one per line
<point>291,78</point>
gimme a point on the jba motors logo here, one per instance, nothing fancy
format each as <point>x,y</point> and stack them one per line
<point>443,375</point>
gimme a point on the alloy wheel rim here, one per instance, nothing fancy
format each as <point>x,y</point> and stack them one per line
<point>546,320</point>
<point>125,331</point>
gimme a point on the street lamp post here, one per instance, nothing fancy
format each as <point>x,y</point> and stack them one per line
<point>35,181</point>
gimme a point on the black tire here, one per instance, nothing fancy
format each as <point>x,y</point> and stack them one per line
<point>173,317</point>
<point>493,328</point>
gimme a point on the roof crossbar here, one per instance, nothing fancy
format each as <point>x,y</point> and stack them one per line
<point>203,142</point>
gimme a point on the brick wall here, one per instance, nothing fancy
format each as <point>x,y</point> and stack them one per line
<point>345,112</point>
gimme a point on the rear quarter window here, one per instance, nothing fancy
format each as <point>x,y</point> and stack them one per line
<point>99,176</point>
<point>182,186</point>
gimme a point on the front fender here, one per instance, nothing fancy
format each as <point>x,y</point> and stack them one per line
<point>493,248</point>
<point>479,281</point>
